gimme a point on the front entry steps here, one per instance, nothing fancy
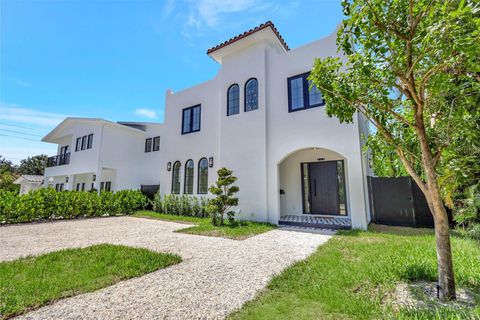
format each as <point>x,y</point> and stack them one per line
<point>307,221</point>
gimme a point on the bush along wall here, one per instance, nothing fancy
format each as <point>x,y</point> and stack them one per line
<point>48,204</point>
<point>181,205</point>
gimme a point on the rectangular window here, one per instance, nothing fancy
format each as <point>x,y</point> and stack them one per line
<point>148,145</point>
<point>78,145</point>
<point>102,185</point>
<point>301,93</point>
<point>83,186</point>
<point>61,187</point>
<point>90,141</point>
<point>156,143</point>
<point>191,118</point>
<point>84,142</point>
<point>78,187</point>
<point>108,185</point>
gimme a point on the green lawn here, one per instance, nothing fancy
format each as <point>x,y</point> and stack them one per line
<point>31,282</point>
<point>203,226</point>
<point>353,276</point>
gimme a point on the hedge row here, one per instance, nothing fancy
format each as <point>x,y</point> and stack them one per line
<point>48,204</point>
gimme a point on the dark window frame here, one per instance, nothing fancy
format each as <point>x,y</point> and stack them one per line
<point>148,144</point>
<point>190,111</point>
<point>185,176</point>
<point>228,100</point>
<point>306,96</point>
<point>245,94</point>
<point>198,175</point>
<point>90,141</point>
<point>84,143</point>
<point>78,144</point>
<point>156,140</point>
<point>173,177</point>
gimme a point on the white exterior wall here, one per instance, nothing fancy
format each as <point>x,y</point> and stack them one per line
<point>263,147</point>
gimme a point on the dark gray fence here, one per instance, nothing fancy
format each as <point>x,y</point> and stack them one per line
<point>398,202</point>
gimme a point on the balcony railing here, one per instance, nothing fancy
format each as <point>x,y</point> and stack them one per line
<point>58,160</point>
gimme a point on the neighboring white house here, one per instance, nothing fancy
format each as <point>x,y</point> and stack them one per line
<point>29,182</point>
<point>257,116</point>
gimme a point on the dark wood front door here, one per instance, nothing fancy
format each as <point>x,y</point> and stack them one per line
<point>323,180</point>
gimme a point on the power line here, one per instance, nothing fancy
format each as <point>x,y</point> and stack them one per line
<point>19,126</point>
<point>20,132</point>
<point>6,135</point>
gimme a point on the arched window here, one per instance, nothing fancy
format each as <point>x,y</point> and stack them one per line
<point>251,95</point>
<point>202,184</point>
<point>188,184</point>
<point>233,100</point>
<point>176,178</point>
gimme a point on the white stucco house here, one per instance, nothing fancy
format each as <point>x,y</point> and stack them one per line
<point>29,182</point>
<point>257,116</point>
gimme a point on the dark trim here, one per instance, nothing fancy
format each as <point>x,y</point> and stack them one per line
<point>190,110</point>
<point>245,96</point>
<point>306,98</point>
<point>153,144</point>
<point>185,176</point>
<point>78,144</point>
<point>90,141</point>
<point>228,100</point>
<point>173,172</point>
<point>338,191</point>
<point>198,176</point>
<point>147,147</point>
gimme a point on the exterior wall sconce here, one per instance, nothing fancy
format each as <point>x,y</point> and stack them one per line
<point>210,162</point>
<point>94,177</point>
<point>169,166</point>
<point>66,179</point>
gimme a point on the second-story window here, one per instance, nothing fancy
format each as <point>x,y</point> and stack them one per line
<point>152,144</point>
<point>191,118</point>
<point>156,143</point>
<point>148,145</point>
<point>90,141</point>
<point>251,95</point>
<point>84,142</point>
<point>233,100</point>
<point>302,94</point>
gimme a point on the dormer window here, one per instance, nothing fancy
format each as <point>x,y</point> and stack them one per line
<point>233,100</point>
<point>251,95</point>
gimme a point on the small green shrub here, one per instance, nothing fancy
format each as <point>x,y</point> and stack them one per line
<point>48,204</point>
<point>224,190</point>
<point>181,205</point>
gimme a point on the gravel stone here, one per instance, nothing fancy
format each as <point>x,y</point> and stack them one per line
<point>216,275</point>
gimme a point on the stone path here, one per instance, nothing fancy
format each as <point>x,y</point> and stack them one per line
<point>216,276</point>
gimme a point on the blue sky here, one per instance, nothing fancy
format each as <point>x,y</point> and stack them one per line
<point>115,59</point>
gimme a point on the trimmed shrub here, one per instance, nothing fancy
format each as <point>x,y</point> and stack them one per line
<point>181,205</point>
<point>48,204</point>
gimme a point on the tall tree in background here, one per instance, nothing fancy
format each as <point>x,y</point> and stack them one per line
<point>412,69</point>
<point>33,165</point>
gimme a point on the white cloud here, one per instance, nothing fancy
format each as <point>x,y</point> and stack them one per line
<point>15,113</point>
<point>148,113</point>
<point>211,12</point>
<point>21,82</point>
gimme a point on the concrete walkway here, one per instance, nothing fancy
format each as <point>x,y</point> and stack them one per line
<point>216,276</point>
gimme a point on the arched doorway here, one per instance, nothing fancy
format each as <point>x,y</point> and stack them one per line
<point>313,183</point>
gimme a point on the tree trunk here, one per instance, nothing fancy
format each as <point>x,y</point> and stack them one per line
<point>446,279</point>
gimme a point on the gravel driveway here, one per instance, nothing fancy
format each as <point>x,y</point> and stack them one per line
<point>216,276</point>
